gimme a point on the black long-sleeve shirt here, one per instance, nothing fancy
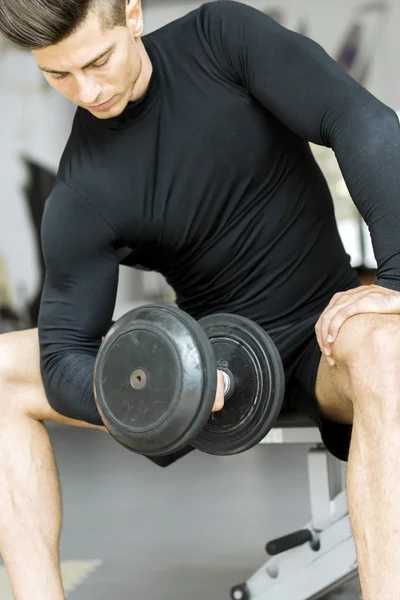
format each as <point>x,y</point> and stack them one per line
<point>209,180</point>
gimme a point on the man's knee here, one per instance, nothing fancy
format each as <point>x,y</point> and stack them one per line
<point>6,361</point>
<point>19,369</point>
<point>368,349</point>
<point>19,355</point>
<point>366,335</point>
<point>21,387</point>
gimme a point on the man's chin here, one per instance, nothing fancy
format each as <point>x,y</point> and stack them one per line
<point>104,115</point>
<point>114,111</point>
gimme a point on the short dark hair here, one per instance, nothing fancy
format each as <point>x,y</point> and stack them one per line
<point>35,24</point>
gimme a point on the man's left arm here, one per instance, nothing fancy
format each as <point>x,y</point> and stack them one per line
<point>297,81</point>
<point>300,84</point>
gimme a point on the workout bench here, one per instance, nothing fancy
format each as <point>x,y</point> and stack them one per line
<point>316,560</point>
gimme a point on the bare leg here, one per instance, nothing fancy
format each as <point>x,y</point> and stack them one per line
<point>30,499</point>
<point>367,373</point>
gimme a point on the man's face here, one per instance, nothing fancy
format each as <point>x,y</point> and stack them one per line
<point>99,70</point>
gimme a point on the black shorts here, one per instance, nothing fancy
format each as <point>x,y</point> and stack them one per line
<point>301,355</point>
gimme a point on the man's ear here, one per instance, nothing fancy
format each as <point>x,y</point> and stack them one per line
<point>134,17</point>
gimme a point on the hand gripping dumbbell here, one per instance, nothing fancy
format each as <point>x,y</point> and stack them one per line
<point>155,382</point>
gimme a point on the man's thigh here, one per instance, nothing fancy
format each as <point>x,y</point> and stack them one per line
<point>21,386</point>
<point>332,392</point>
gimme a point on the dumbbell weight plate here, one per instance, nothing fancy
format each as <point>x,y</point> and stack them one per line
<point>243,349</point>
<point>155,380</point>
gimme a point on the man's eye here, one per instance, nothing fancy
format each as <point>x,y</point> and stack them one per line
<point>101,64</point>
<point>61,76</point>
<point>96,66</point>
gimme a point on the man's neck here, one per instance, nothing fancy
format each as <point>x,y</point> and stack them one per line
<point>143,81</point>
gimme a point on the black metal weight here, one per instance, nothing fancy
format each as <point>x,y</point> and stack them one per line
<point>155,380</point>
<point>255,385</point>
<point>156,375</point>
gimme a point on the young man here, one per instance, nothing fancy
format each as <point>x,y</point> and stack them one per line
<point>189,155</point>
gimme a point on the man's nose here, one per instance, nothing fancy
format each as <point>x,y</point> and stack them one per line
<point>89,91</point>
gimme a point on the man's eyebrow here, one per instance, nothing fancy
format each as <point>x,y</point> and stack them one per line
<point>89,64</point>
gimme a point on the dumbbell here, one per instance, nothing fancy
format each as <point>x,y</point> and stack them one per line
<point>155,382</point>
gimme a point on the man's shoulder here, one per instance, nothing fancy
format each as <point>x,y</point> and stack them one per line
<point>66,195</point>
<point>221,21</point>
<point>174,27</point>
<point>214,9</point>
<point>198,30</point>
<point>224,9</point>
<point>68,209</point>
<point>71,162</point>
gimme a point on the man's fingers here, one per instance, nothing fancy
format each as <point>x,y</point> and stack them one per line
<point>340,318</point>
<point>219,397</point>
<point>361,300</point>
<point>328,334</point>
<point>366,305</point>
<point>341,297</point>
<point>335,299</point>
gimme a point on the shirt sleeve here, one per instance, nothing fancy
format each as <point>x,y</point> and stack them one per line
<point>78,300</point>
<point>296,81</point>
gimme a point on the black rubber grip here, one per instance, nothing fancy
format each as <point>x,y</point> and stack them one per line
<point>287,542</point>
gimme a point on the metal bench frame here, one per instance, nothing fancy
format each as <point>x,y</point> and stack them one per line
<point>308,570</point>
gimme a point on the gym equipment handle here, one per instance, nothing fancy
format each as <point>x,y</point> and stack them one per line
<point>287,542</point>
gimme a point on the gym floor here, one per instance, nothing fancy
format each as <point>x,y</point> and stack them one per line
<point>191,531</point>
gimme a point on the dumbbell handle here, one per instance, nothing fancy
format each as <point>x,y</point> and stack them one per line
<point>228,384</point>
